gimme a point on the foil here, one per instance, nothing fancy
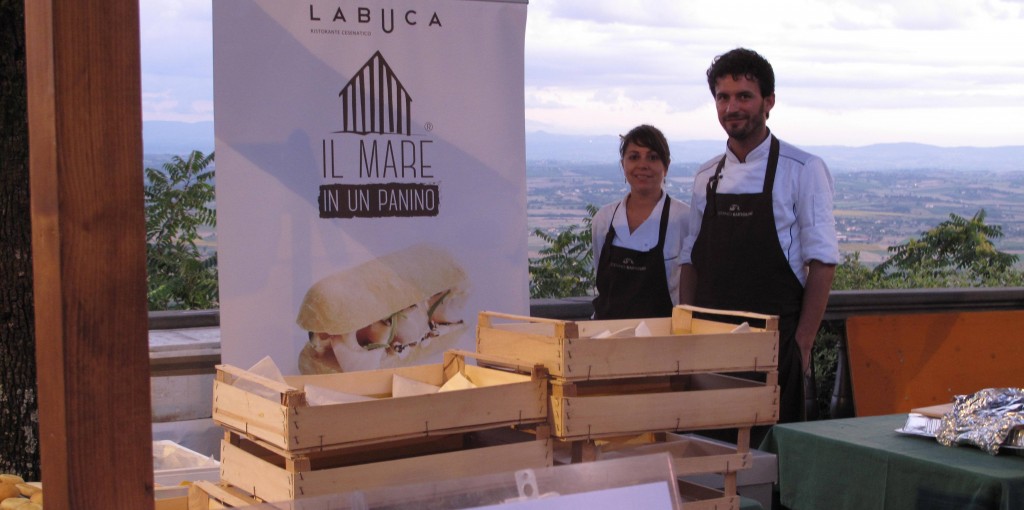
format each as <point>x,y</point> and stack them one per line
<point>988,419</point>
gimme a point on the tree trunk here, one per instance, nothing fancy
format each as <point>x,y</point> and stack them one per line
<point>19,425</point>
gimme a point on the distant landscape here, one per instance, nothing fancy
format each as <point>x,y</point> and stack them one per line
<point>873,209</point>
<point>885,194</point>
<point>162,137</point>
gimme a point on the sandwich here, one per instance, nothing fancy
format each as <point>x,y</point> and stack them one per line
<point>391,311</point>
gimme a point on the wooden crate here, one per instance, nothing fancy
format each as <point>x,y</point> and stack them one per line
<point>676,379</point>
<point>678,345</point>
<point>285,423</point>
<point>616,407</point>
<point>690,456</point>
<point>267,476</point>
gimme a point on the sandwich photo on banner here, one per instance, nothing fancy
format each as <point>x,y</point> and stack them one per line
<point>390,311</point>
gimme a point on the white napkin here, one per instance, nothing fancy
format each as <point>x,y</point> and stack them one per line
<point>405,387</point>
<point>267,368</point>
<point>264,368</point>
<point>742,328</point>
<point>458,382</point>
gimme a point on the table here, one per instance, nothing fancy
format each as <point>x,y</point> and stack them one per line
<point>862,463</point>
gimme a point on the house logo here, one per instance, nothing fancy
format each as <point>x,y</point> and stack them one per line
<point>736,211</point>
<point>627,264</point>
<point>375,101</point>
<point>376,166</point>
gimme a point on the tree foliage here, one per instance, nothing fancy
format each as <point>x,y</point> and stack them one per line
<point>955,245</point>
<point>565,266</point>
<point>959,252</point>
<point>179,201</point>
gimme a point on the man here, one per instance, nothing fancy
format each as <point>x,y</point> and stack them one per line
<point>762,235</point>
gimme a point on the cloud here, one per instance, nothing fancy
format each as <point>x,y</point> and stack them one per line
<point>176,35</point>
<point>847,69</point>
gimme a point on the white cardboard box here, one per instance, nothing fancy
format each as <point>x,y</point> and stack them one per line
<point>173,464</point>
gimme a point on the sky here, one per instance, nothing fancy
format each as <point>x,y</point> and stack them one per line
<point>939,72</point>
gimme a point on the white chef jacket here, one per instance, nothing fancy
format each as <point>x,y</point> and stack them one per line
<point>802,202</point>
<point>645,238</point>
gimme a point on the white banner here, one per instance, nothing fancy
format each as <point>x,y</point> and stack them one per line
<point>371,181</point>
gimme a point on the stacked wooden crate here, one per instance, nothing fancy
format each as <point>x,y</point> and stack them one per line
<point>624,391</point>
<point>277,447</point>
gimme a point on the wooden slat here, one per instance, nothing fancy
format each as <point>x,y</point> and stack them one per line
<point>526,348</point>
<point>490,377</point>
<point>204,495</point>
<point>243,469</point>
<point>486,315</point>
<point>599,416</point>
<point>681,354</point>
<point>249,414</point>
<point>731,313</point>
<point>89,254</point>
<point>255,475</point>
<point>477,408</point>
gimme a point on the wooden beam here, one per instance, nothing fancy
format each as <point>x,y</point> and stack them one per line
<point>89,254</point>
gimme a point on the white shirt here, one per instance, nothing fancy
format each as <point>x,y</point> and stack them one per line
<point>645,237</point>
<point>802,201</point>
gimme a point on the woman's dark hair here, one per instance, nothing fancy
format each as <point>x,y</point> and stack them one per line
<point>646,136</point>
<point>746,63</point>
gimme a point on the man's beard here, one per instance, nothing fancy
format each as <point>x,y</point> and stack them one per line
<point>752,126</point>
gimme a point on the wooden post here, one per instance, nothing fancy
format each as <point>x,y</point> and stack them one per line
<point>89,253</point>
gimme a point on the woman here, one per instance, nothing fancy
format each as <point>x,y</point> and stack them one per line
<point>637,240</point>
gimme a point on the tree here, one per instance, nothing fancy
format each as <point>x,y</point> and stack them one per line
<point>955,253</point>
<point>179,201</point>
<point>19,425</point>
<point>852,274</point>
<point>565,266</point>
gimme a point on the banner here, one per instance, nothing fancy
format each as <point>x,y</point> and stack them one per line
<point>371,178</point>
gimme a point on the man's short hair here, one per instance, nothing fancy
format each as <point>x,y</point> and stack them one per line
<point>746,63</point>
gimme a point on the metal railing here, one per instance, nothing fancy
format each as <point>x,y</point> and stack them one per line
<point>841,305</point>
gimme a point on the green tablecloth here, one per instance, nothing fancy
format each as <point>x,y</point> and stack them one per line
<point>862,463</point>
